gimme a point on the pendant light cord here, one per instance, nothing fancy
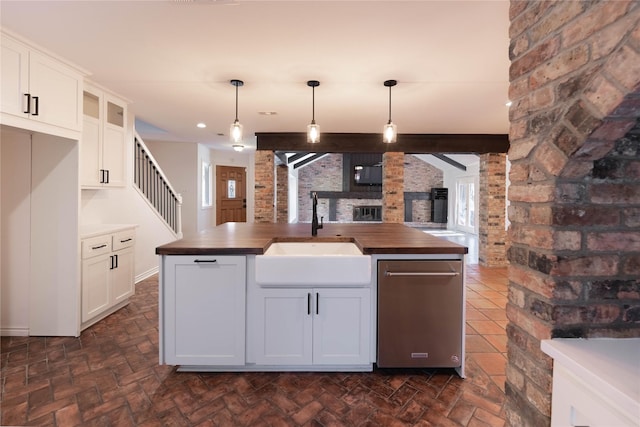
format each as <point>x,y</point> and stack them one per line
<point>389,104</point>
<point>237,102</point>
<point>313,104</point>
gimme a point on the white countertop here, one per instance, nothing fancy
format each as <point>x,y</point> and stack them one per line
<point>91,230</point>
<point>611,365</point>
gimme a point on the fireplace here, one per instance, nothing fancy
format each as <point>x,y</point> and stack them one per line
<point>367,213</point>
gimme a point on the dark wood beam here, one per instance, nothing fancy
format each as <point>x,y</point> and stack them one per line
<point>450,161</point>
<point>372,143</point>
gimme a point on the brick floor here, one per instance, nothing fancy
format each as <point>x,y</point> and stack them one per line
<point>110,376</point>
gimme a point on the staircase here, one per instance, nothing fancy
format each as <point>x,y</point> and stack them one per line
<point>155,187</point>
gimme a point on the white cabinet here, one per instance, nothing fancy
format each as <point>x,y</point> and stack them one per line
<point>203,310</point>
<point>39,92</point>
<point>107,274</point>
<point>103,143</point>
<point>314,326</point>
<point>595,381</point>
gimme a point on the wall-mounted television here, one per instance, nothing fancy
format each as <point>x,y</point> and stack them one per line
<point>368,175</point>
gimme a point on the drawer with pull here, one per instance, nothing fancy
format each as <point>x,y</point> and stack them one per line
<point>95,246</point>
<point>123,239</point>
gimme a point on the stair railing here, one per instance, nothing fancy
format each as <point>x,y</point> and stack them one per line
<point>156,188</point>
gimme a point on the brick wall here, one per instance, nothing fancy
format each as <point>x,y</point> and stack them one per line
<point>282,194</point>
<point>264,186</point>
<point>420,176</point>
<point>393,187</point>
<point>491,211</point>
<point>326,175</point>
<point>574,193</point>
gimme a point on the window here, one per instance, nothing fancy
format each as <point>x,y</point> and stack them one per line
<point>466,205</point>
<point>207,193</point>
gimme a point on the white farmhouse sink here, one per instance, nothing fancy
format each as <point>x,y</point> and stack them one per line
<point>313,264</point>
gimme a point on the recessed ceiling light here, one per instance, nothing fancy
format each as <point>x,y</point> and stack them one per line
<point>201,125</point>
<point>267,113</point>
<point>508,103</point>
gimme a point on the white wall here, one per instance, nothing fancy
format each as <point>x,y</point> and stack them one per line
<point>178,161</point>
<point>206,215</point>
<point>54,288</point>
<point>293,195</point>
<point>15,189</point>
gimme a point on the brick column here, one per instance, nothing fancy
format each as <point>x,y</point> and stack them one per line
<point>282,194</point>
<point>264,186</point>
<point>492,211</point>
<point>393,187</point>
<point>575,186</point>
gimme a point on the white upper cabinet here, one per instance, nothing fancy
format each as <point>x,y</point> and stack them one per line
<point>103,143</point>
<point>39,92</point>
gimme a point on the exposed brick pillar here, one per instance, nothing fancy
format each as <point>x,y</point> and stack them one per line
<point>282,193</point>
<point>393,187</point>
<point>492,250</point>
<point>575,189</point>
<point>264,186</point>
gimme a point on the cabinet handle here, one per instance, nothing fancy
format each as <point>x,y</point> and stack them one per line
<point>101,176</point>
<point>111,262</point>
<point>126,240</point>
<point>204,261</point>
<point>421,273</point>
<point>28,95</point>
<point>37,104</point>
<point>115,265</point>
<point>308,303</point>
<point>317,303</point>
<point>93,248</point>
<point>107,172</point>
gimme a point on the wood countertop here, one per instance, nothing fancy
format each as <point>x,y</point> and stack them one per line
<point>253,239</point>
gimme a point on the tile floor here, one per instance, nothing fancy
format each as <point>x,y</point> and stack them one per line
<point>110,376</point>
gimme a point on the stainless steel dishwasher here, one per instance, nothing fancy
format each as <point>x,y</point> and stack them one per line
<point>420,314</point>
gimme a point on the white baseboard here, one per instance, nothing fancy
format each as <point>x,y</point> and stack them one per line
<point>14,332</point>
<point>140,277</point>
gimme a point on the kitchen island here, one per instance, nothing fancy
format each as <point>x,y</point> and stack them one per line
<point>218,312</point>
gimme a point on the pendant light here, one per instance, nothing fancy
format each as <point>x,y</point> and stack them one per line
<point>236,128</point>
<point>313,130</point>
<point>389,132</point>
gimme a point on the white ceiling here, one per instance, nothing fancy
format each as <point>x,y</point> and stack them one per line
<point>173,60</point>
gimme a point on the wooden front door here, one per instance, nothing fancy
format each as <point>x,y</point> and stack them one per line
<point>231,194</point>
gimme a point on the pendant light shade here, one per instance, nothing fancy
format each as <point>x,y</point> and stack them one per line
<point>390,131</point>
<point>235,132</point>
<point>313,129</point>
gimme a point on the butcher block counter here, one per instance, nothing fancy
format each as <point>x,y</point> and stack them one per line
<point>257,297</point>
<point>246,239</point>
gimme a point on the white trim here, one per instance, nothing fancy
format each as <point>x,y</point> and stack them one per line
<point>146,274</point>
<point>14,332</point>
